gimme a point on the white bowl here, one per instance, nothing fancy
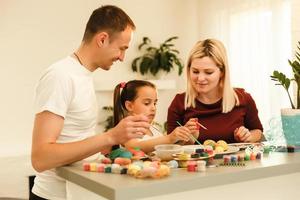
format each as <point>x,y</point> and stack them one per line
<point>165,151</point>
<point>189,149</point>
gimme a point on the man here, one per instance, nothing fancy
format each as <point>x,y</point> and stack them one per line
<point>65,103</point>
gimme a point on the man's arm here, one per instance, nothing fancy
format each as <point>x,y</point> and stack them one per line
<point>47,154</point>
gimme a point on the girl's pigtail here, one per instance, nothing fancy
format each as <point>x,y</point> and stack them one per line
<point>118,108</point>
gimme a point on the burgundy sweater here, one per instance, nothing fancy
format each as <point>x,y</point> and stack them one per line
<point>220,125</point>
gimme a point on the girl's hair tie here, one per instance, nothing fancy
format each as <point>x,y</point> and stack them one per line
<point>122,85</point>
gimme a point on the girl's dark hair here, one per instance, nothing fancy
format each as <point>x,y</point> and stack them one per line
<point>107,18</point>
<point>126,92</point>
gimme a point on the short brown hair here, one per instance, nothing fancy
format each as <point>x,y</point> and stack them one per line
<point>107,18</point>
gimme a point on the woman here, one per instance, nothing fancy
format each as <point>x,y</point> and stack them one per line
<point>228,113</point>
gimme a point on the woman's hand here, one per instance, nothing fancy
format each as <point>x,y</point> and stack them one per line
<point>193,126</point>
<point>242,134</point>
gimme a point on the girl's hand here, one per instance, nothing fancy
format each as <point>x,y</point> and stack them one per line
<point>193,126</point>
<point>180,133</point>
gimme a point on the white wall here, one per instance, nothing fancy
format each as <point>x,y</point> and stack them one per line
<point>295,23</point>
<point>34,34</point>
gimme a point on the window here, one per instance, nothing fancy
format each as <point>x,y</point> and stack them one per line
<point>258,42</point>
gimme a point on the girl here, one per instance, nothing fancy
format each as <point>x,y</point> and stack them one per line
<point>140,97</point>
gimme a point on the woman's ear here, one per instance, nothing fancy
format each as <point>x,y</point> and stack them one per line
<point>129,106</point>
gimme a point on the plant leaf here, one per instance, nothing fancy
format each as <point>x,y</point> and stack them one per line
<point>171,38</point>
<point>144,65</point>
<point>146,41</point>
<point>165,57</point>
<point>134,64</point>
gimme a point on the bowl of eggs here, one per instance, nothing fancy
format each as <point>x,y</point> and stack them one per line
<point>165,151</point>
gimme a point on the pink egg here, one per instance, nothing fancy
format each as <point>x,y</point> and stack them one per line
<point>155,164</point>
<point>122,161</point>
<point>106,161</point>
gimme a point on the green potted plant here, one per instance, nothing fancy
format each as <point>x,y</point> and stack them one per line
<point>290,117</point>
<point>155,59</point>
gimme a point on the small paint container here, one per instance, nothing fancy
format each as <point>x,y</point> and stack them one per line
<point>234,158</point>
<point>123,170</point>
<point>252,156</point>
<point>247,157</point>
<point>241,157</point>
<point>210,160</point>
<point>182,163</point>
<point>100,167</point>
<point>107,169</point>
<point>258,155</point>
<point>93,167</point>
<point>195,155</point>
<point>86,166</point>
<point>115,168</point>
<point>191,166</point>
<point>226,159</point>
<point>199,150</point>
<point>201,165</point>
<point>204,154</point>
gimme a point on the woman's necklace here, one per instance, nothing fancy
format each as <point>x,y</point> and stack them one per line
<point>78,58</point>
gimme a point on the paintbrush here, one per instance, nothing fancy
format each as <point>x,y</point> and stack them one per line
<point>201,125</point>
<point>192,137</point>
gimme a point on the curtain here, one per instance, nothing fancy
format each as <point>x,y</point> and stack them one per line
<point>257,36</point>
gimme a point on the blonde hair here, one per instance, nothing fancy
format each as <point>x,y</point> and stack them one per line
<point>215,50</point>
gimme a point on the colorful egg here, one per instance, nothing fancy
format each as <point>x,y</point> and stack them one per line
<point>183,156</point>
<point>106,160</point>
<point>219,149</point>
<point>122,161</point>
<point>223,144</point>
<point>211,143</point>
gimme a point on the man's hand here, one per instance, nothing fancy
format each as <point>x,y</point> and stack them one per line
<point>128,128</point>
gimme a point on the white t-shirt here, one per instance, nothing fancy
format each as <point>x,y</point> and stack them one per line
<point>66,89</point>
<point>155,134</point>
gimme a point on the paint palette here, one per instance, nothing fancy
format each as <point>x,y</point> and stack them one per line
<point>231,149</point>
<point>244,145</point>
<point>177,156</point>
<point>183,161</point>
